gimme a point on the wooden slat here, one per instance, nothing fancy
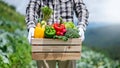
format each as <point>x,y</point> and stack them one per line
<point>55,56</point>
<point>55,41</point>
<point>56,44</point>
<point>56,48</point>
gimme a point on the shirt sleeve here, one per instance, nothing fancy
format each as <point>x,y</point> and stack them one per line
<point>82,13</point>
<point>31,13</point>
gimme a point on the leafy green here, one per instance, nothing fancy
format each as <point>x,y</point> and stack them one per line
<point>70,25</point>
<point>64,38</point>
<point>72,33</point>
<point>46,12</point>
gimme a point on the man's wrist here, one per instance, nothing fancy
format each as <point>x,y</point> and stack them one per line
<point>30,24</point>
<point>82,25</point>
<point>32,28</point>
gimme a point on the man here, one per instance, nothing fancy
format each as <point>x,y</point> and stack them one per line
<point>61,8</point>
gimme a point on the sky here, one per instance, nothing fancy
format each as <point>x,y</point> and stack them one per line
<point>100,11</point>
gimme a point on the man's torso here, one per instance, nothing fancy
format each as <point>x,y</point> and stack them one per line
<point>61,8</point>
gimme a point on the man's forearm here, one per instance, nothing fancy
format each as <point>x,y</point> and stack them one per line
<point>31,13</point>
<point>81,13</point>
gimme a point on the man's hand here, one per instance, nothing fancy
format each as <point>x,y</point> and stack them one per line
<point>30,34</point>
<point>81,33</point>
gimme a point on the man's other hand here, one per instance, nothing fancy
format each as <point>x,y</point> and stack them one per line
<point>30,34</point>
<point>81,33</point>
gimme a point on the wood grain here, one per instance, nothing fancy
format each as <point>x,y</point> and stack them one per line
<point>55,56</point>
<point>55,41</point>
<point>56,48</point>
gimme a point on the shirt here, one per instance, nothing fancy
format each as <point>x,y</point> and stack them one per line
<point>61,8</point>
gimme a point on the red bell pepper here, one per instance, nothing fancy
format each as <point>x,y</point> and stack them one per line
<point>60,28</point>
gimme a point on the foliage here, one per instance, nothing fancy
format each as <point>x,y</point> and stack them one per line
<point>47,12</point>
<point>72,33</point>
<point>11,6</point>
<point>14,50</point>
<point>8,12</point>
<point>9,26</point>
<point>92,59</point>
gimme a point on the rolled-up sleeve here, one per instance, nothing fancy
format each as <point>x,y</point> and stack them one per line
<point>31,13</point>
<point>81,13</point>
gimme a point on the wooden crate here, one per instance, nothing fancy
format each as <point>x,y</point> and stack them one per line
<point>54,49</point>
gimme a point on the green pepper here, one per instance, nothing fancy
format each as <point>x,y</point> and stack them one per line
<point>49,32</point>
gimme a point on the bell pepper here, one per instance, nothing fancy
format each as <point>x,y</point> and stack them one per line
<point>60,28</point>
<point>49,32</point>
<point>39,31</point>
